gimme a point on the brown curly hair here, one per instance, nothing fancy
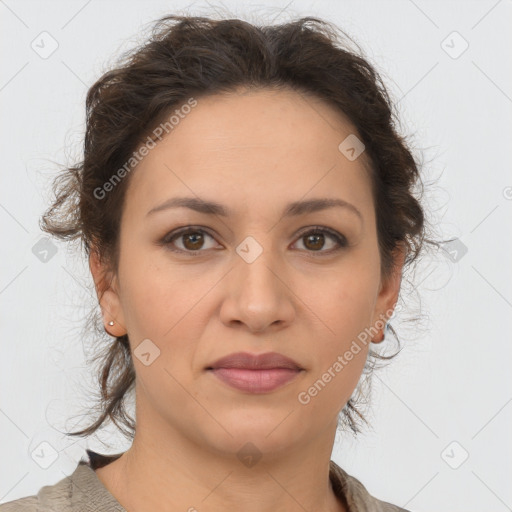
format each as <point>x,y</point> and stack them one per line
<point>198,56</point>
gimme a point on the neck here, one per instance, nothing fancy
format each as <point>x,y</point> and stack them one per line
<point>166,471</point>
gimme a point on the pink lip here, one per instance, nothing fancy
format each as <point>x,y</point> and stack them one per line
<point>255,373</point>
<point>266,361</point>
<point>255,381</point>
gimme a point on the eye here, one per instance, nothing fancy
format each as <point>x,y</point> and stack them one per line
<point>193,240</point>
<point>314,239</point>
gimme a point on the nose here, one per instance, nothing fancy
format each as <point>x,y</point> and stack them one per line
<point>258,295</point>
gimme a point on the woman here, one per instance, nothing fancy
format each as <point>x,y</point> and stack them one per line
<point>246,206</point>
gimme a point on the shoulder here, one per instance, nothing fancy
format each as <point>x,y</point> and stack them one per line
<point>55,498</point>
<point>356,495</point>
<point>81,491</point>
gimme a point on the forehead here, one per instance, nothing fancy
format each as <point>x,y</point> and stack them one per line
<point>247,146</point>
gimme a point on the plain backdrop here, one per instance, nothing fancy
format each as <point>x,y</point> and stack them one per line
<point>441,412</point>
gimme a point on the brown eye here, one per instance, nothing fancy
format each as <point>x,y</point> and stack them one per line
<point>193,240</point>
<point>315,240</point>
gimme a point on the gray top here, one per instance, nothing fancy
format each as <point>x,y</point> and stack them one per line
<point>83,491</point>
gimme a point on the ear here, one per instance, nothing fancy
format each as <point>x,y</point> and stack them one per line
<point>388,293</point>
<point>105,283</point>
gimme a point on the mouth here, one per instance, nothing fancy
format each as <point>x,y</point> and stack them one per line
<point>250,373</point>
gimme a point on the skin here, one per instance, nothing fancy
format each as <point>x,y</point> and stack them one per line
<point>254,152</point>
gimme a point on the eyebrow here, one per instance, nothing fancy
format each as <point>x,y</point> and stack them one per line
<point>291,210</point>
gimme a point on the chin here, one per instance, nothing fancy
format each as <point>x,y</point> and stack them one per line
<point>265,434</point>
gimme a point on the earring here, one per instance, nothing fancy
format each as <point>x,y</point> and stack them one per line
<point>111,322</point>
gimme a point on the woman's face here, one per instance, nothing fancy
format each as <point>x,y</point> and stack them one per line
<point>254,280</point>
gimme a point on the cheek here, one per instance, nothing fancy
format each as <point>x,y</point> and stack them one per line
<point>349,347</point>
<point>344,306</point>
<point>154,301</point>
<point>164,302</point>
<point>146,294</point>
<point>344,299</point>
<point>339,356</point>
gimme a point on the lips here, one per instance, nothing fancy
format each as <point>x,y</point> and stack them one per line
<point>244,360</point>
<point>260,373</point>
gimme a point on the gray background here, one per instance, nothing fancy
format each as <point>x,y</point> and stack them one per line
<point>446,397</point>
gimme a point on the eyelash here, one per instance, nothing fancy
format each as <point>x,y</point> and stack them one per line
<point>313,230</point>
